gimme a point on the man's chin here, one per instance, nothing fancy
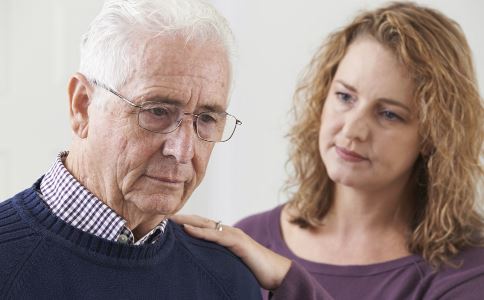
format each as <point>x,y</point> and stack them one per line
<point>159,204</point>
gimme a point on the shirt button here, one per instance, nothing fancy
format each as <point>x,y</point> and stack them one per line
<point>123,239</point>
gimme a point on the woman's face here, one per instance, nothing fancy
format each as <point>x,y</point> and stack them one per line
<point>369,128</point>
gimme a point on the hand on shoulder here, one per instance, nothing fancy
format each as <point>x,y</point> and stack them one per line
<point>267,266</point>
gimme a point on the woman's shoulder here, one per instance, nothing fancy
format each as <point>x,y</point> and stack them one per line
<point>464,280</point>
<point>263,226</point>
<point>469,260</point>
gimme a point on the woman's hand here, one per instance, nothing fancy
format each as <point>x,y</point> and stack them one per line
<point>267,266</point>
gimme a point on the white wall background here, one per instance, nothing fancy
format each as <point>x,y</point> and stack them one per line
<point>39,50</point>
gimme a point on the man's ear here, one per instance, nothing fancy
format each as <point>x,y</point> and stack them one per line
<point>80,97</point>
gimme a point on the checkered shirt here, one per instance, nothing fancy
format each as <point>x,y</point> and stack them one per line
<point>75,205</point>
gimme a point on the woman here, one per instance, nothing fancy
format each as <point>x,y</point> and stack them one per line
<point>386,153</point>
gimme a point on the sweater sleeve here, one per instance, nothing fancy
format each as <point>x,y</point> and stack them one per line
<point>299,284</point>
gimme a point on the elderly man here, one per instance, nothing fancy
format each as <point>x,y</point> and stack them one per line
<point>146,108</point>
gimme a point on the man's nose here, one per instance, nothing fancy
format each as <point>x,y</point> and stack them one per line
<point>180,143</point>
<point>357,126</point>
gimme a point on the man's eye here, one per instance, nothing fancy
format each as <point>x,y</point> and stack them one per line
<point>344,97</point>
<point>207,118</point>
<point>159,111</point>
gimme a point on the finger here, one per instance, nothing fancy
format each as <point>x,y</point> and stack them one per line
<point>230,237</point>
<point>193,220</point>
<point>224,238</point>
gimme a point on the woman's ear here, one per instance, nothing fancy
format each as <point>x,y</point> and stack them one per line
<point>80,93</point>
<point>426,147</point>
<point>427,150</point>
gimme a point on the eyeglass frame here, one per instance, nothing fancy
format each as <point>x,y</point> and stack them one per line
<point>140,107</point>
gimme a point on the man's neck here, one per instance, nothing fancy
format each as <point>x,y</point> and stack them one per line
<point>138,222</point>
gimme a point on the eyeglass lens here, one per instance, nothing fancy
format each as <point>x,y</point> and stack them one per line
<point>210,126</point>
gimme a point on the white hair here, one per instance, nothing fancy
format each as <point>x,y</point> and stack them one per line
<point>107,46</point>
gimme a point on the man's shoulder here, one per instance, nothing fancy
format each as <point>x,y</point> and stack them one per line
<point>216,261</point>
<point>14,227</point>
<point>12,224</point>
<point>206,251</point>
<point>17,241</point>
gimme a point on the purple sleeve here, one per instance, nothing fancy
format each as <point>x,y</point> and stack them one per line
<point>470,290</point>
<point>299,284</point>
<point>466,282</point>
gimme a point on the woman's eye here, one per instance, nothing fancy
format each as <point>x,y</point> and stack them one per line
<point>390,116</point>
<point>344,97</point>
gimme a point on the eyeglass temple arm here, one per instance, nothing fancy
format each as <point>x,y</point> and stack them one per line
<point>105,87</point>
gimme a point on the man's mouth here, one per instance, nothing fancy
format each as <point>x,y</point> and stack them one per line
<point>164,179</point>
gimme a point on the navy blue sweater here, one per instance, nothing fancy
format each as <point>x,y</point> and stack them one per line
<point>42,257</point>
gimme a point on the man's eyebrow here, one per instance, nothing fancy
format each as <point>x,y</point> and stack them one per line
<point>178,103</point>
<point>212,107</point>
<point>160,100</point>
<point>385,100</point>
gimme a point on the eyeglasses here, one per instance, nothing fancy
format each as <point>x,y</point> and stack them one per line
<point>165,118</point>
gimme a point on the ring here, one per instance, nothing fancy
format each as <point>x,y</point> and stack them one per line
<point>218,226</point>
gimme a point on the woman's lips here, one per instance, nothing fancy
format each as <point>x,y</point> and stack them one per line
<point>348,155</point>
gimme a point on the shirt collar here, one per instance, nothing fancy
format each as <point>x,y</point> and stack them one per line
<point>77,206</point>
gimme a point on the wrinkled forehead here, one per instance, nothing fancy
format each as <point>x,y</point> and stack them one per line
<point>196,68</point>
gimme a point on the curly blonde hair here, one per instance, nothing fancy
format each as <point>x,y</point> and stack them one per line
<point>435,52</point>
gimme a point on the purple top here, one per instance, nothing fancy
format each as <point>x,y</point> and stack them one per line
<point>405,278</point>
